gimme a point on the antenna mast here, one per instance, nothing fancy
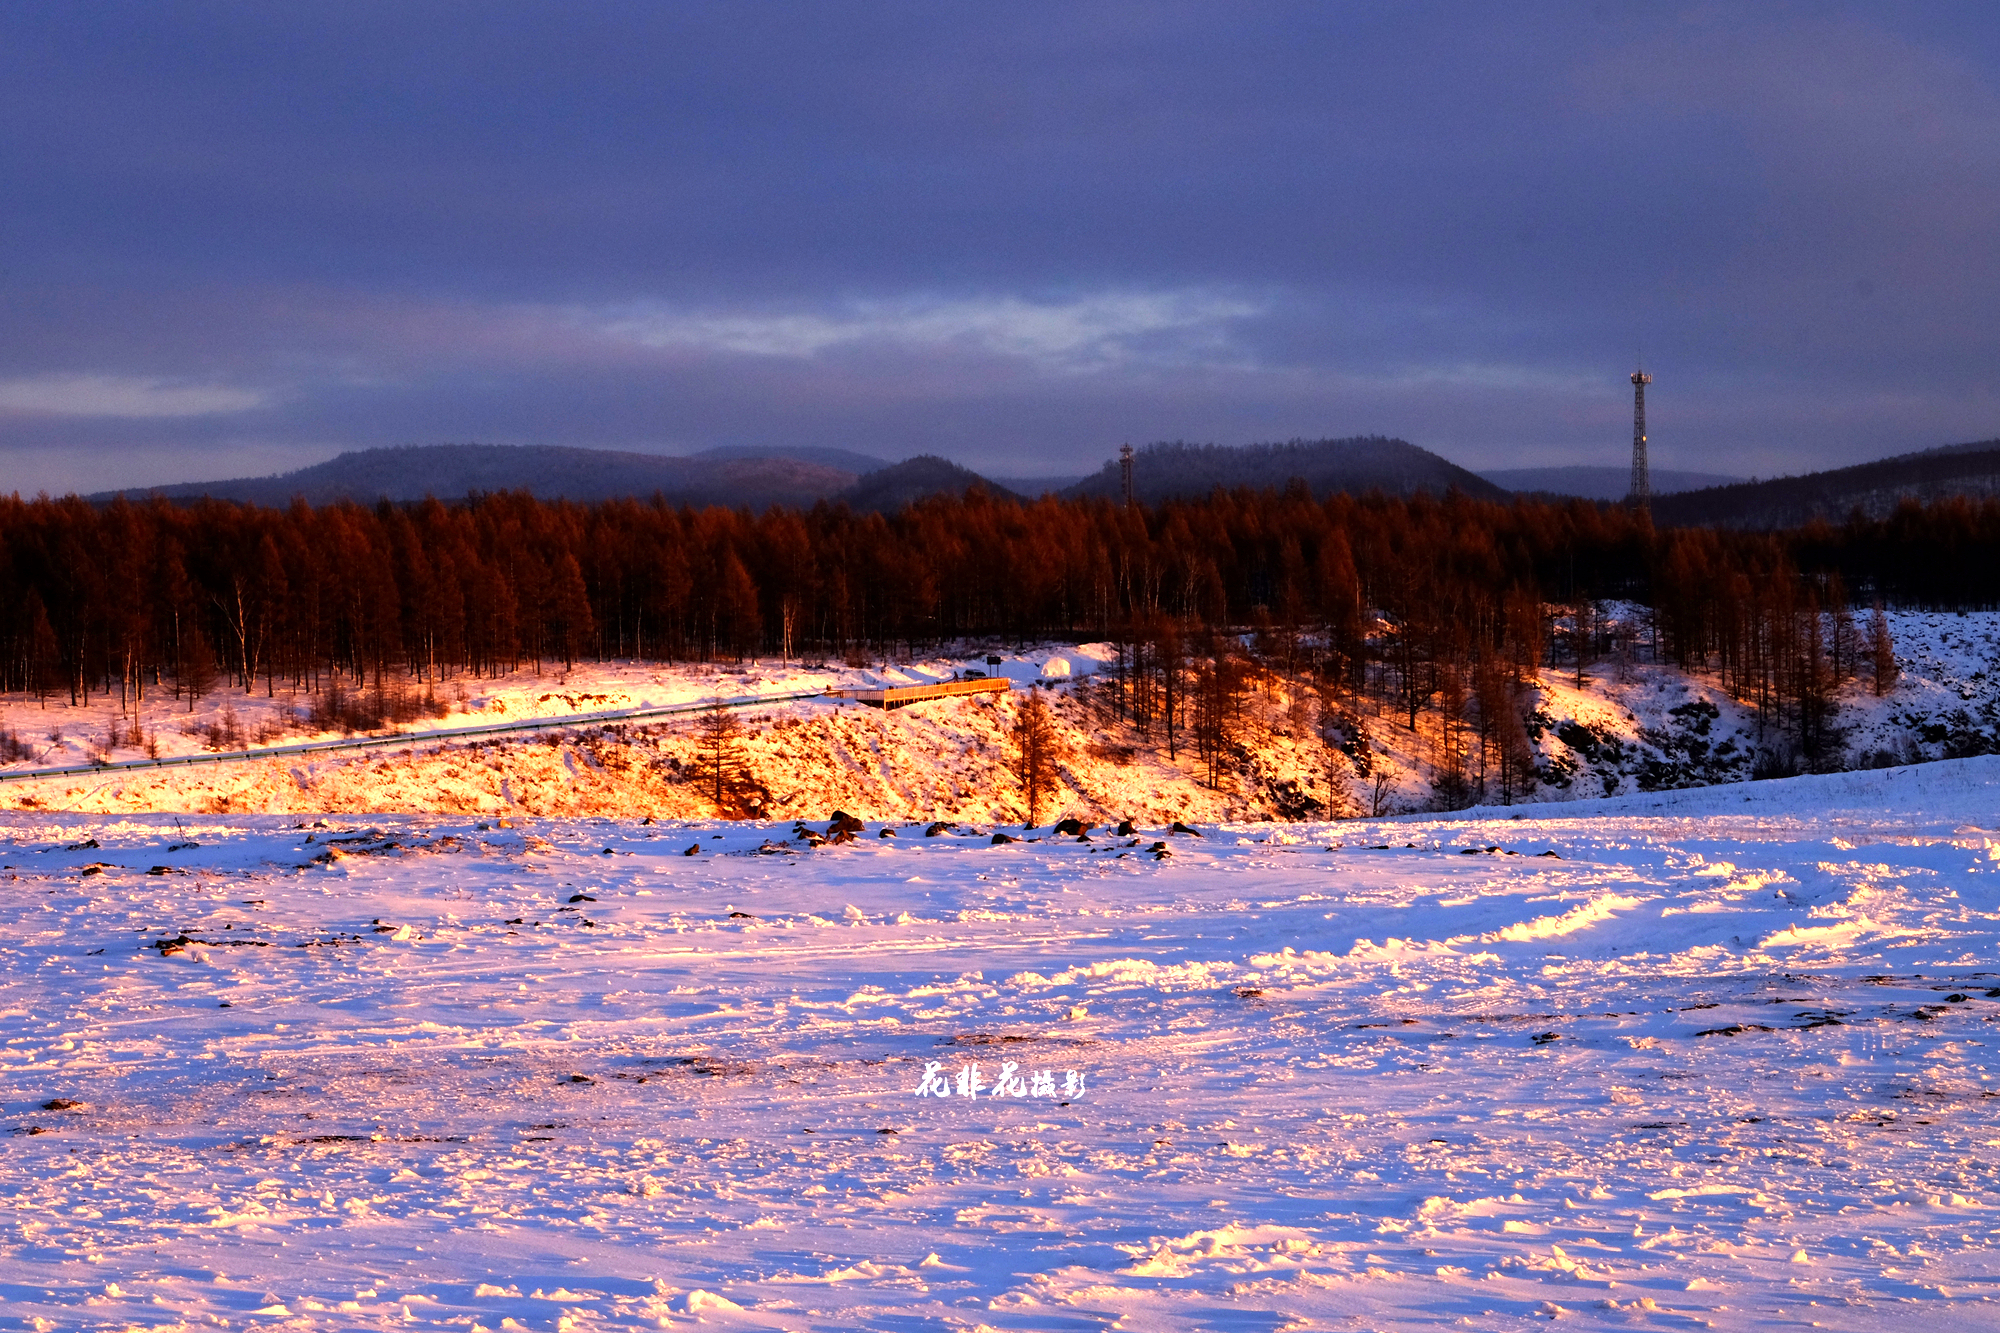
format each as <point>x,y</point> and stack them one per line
<point>1125,472</point>
<point>1642,483</point>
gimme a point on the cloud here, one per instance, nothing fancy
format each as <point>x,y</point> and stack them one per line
<point>1076,334</point>
<point>1016,235</point>
<point>86,395</point>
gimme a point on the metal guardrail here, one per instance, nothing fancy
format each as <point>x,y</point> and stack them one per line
<point>409,738</point>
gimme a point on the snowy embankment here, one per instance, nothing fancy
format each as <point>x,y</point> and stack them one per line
<point>1632,726</point>
<point>1719,1062</point>
<point>946,759</point>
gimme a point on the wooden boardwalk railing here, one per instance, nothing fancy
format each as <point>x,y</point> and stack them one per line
<point>899,695</point>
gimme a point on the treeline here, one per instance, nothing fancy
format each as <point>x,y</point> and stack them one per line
<point>1401,600</point>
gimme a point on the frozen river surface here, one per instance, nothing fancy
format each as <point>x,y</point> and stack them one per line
<point>1722,1059</point>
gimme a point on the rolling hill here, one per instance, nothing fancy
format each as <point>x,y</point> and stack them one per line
<point>451,471</point>
<point>888,489</point>
<point>1357,465</point>
<point>1875,489</point>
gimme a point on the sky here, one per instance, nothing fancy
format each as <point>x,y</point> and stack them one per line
<point>239,239</point>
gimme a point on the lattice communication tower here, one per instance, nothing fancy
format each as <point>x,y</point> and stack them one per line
<point>1642,483</point>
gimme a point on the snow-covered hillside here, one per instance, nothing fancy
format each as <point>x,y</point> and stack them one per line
<point>941,760</point>
<point>1632,726</point>
<point>1700,1058</point>
<point>1640,726</point>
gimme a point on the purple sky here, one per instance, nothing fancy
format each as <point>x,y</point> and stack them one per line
<point>241,238</point>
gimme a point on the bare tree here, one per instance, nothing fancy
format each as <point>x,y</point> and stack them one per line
<point>1340,802</point>
<point>43,656</point>
<point>1038,749</point>
<point>1218,704</point>
<point>720,763</point>
<point>197,673</point>
<point>1381,784</point>
<point>1883,649</point>
<point>1586,623</point>
<point>788,616</point>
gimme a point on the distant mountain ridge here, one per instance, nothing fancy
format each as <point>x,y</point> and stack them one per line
<point>1875,489</point>
<point>754,478</point>
<point>453,471</point>
<point>1355,465</point>
<point>759,477</point>
<point>1600,483</point>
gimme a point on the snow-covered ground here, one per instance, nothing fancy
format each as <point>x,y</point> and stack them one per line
<point>1722,1059</point>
